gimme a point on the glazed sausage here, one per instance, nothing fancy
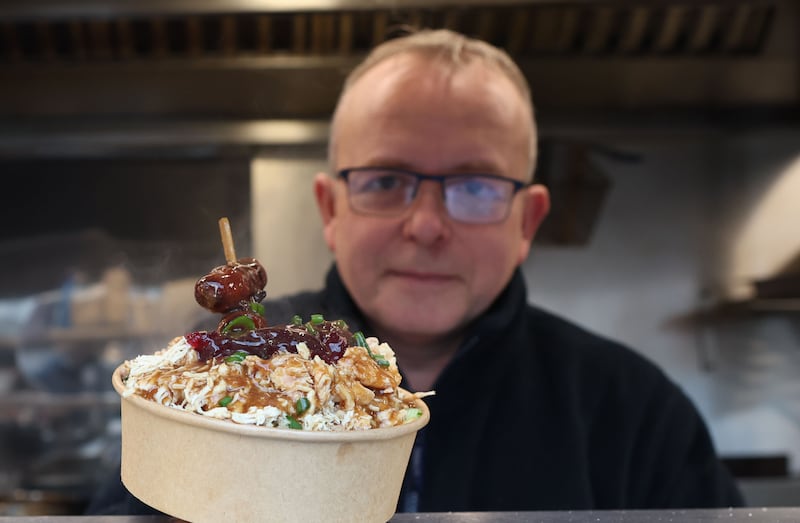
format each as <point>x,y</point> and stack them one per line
<point>232,286</point>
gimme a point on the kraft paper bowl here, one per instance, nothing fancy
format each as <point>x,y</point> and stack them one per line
<point>200,469</point>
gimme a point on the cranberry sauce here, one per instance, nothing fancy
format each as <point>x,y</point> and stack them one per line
<point>329,341</point>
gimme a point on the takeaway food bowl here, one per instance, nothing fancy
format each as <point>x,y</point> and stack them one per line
<point>200,469</point>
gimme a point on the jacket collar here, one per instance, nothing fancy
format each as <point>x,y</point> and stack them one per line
<point>336,298</point>
<point>502,315</point>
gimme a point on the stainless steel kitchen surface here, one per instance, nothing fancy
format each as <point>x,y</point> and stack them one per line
<point>762,515</point>
<point>669,140</point>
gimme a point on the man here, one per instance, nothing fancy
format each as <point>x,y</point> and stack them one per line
<point>429,211</point>
<point>419,273</point>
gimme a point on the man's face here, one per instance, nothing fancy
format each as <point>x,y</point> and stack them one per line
<point>421,274</point>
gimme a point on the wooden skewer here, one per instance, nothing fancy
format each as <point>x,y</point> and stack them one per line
<point>227,240</point>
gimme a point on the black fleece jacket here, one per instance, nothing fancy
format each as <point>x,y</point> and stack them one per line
<point>535,413</point>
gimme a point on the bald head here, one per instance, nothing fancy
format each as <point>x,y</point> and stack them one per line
<point>450,52</point>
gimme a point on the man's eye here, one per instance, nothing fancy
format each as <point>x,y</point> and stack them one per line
<point>479,189</point>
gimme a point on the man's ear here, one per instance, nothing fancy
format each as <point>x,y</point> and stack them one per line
<point>325,194</point>
<point>536,207</point>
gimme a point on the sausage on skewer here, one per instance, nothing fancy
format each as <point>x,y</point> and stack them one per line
<point>233,286</point>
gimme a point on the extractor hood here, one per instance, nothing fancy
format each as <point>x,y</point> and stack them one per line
<point>258,59</point>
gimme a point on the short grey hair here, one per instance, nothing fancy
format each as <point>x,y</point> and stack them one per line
<point>453,49</point>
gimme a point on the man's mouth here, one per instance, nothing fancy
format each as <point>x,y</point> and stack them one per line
<point>422,276</point>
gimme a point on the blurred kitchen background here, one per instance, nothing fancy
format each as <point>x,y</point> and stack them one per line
<point>670,140</point>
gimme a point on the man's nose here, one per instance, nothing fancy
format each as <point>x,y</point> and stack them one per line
<point>427,221</point>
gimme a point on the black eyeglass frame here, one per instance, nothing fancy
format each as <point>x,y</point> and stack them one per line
<point>440,179</point>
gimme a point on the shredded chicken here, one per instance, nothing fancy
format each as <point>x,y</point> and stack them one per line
<point>354,394</point>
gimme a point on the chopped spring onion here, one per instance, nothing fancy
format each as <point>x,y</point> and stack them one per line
<point>224,402</point>
<point>293,423</point>
<point>236,357</point>
<point>242,322</point>
<point>412,414</point>
<point>317,319</point>
<point>310,328</point>
<point>257,308</point>
<point>358,337</point>
<point>302,405</point>
<point>297,320</point>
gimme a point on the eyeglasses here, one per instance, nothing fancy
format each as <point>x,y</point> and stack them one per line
<point>469,198</point>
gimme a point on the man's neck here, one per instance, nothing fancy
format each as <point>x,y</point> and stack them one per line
<point>422,359</point>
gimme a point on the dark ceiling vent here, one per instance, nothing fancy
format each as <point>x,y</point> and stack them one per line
<point>535,29</point>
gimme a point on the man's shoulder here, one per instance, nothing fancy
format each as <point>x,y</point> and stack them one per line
<point>604,378</point>
<point>556,331</point>
<point>564,343</point>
